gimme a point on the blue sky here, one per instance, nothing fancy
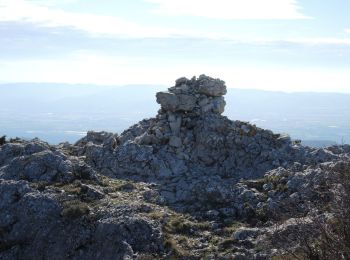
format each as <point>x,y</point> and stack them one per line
<point>284,45</point>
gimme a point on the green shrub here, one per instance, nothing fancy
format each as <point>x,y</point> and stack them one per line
<point>227,243</point>
<point>74,209</point>
<point>3,140</point>
<point>177,251</point>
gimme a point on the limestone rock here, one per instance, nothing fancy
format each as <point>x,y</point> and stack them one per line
<point>172,102</point>
<point>45,166</point>
<point>211,87</point>
<point>175,141</point>
<point>197,96</point>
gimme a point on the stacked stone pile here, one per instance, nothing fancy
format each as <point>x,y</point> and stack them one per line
<point>193,153</point>
<point>190,125</point>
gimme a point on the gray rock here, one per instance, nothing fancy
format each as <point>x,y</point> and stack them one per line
<point>175,125</point>
<point>175,141</point>
<point>168,101</point>
<point>147,139</point>
<point>245,233</point>
<point>172,102</point>
<point>219,105</point>
<point>192,96</point>
<point>97,138</point>
<point>267,186</point>
<point>210,86</point>
<point>34,228</point>
<point>91,192</point>
<point>9,151</point>
<point>46,166</point>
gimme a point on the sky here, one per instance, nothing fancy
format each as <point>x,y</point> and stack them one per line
<point>284,45</point>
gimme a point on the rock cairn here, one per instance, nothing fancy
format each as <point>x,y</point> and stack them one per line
<point>124,196</point>
<point>181,107</point>
<point>197,96</point>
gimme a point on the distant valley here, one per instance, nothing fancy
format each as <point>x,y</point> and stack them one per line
<point>62,112</point>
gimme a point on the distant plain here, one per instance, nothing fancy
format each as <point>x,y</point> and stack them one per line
<point>61,112</point>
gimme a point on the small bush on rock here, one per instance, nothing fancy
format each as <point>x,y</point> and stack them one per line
<point>74,209</point>
<point>3,140</point>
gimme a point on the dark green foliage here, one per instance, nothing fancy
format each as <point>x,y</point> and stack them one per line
<point>227,243</point>
<point>3,140</point>
<point>74,209</point>
<point>177,251</point>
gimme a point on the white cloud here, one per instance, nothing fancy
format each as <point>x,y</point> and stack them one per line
<point>231,9</point>
<point>316,41</point>
<point>45,14</point>
<point>53,2</point>
<point>347,30</point>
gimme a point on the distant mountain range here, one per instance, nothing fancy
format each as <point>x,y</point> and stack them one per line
<point>62,112</point>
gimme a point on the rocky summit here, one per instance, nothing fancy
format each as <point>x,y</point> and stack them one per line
<point>186,184</point>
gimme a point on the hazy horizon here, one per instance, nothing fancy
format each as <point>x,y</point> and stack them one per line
<point>165,86</point>
<point>64,113</point>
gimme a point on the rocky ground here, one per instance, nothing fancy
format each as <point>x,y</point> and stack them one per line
<point>187,184</point>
